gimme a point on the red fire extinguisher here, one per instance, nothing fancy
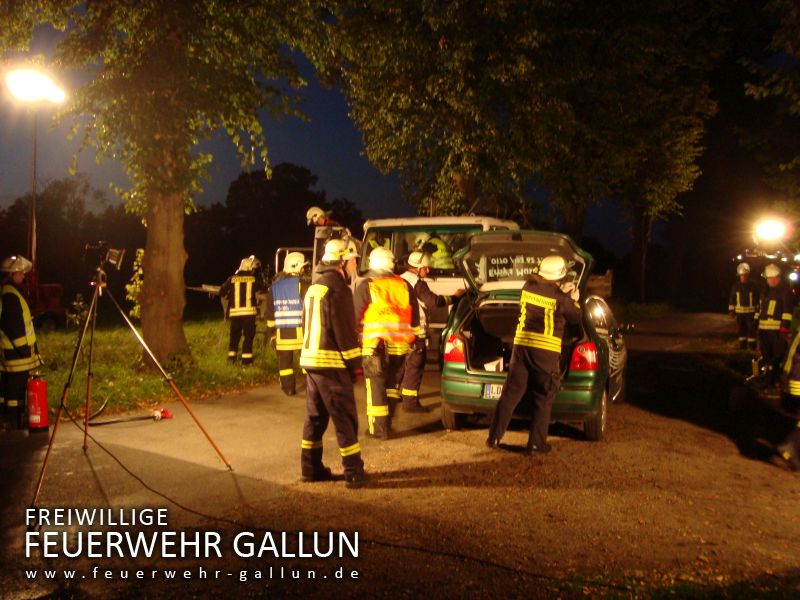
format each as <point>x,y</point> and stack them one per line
<point>37,405</point>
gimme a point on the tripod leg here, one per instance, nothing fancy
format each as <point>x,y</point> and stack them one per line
<point>90,371</point>
<point>168,378</point>
<point>67,386</point>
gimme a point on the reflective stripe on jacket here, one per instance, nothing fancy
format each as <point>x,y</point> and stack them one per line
<point>329,332</point>
<point>743,298</point>
<point>19,352</point>
<point>242,296</point>
<point>544,311</point>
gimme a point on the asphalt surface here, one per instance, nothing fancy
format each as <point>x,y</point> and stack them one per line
<point>672,498</point>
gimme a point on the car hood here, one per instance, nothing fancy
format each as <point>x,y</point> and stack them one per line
<point>496,261</point>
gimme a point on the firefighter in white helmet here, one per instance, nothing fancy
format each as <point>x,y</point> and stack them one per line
<point>285,314</point>
<point>534,370</point>
<point>418,268</point>
<point>20,353</point>
<point>332,359</point>
<point>319,218</point>
<point>351,262</point>
<point>742,306</point>
<point>774,318</point>
<point>387,314</point>
<point>240,291</point>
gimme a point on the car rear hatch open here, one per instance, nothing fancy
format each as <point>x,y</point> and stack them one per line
<point>496,265</point>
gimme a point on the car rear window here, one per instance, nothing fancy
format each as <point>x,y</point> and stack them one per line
<point>441,242</point>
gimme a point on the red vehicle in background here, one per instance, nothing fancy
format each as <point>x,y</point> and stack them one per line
<point>45,303</point>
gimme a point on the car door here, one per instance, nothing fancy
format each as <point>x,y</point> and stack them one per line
<point>609,332</point>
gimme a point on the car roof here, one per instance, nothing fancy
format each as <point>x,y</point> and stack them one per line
<point>439,221</point>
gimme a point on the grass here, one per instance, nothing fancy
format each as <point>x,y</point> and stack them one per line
<point>119,376</point>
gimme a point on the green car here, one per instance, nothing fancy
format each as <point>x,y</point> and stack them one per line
<point>479,333</point>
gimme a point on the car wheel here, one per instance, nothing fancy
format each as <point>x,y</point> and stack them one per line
<point>450,419</point>
<point>595,428</point>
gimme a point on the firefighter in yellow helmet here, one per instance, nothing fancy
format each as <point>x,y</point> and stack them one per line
<point>332,360</point>
<point>387,314</point>
<point>285,314</point>
<point>774,319</point>
<point>240,291</point>
<point>20,352</point>
<point>742,306</point>
<point>545,310</point>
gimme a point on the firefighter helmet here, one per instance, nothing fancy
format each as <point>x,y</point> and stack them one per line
<point>419,259</point>
<point>251,263</point>
<point>313,214</point>
<point>335,251</point>
<point>381,259</point>
<point>772,270</point>
<point>294,262</point>
<point>553,268</point>
<point>353,249</point>
<point>16,264</point>
<point>743,269</point>
<point>421,238</point>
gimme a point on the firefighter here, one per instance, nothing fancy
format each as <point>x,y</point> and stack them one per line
<point>418,268</point>
<point>240,291</point>
<point>534,369</point>
<point>441,257</point>
<point>351,262</point>
<point>319,218</point>
<point>285,314</point>
<point>789,450</point>
<point>332,360</point>
<point>387,314</point>
<point>20,352</point>
<point>774,318</point>
<point>742,306</point>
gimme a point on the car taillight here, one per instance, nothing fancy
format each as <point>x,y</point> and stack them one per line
<point>454,350</point>
<point>584,357</point>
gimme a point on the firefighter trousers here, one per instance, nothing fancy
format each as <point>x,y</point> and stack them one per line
<point>15,391</point>
<point>531,372</point>
<point>242,326</point>
<point>329,396</point>
<point>382,379</point>
<point>746,325</point>
<point>286,371</point>
<point>773,350</point>
<point>413,370</point>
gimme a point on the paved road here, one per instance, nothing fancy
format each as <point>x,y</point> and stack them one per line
<point>672,495</point>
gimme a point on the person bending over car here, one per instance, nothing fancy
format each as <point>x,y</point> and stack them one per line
<point>534,367</point>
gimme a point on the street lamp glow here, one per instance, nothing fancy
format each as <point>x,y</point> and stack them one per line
<point>770,230</point>
<point>29,85</point>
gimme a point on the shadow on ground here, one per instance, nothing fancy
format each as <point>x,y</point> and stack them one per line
<point>707,390</point>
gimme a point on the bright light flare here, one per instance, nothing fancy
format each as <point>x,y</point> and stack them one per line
<point>29,85</point>
<point>770,230</point>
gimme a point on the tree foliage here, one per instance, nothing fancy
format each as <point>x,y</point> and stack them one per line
<point>778,81</point>
<point>162,75</point>
<point>447,93</point>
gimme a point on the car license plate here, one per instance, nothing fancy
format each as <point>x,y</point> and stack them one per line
<point>492,391</point>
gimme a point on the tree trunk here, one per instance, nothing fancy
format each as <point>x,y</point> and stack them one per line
<point>574,216</point>
<point>466,185</point>
<point>641,228</point>
<point>163,292</point>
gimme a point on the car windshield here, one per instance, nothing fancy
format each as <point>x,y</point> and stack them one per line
<point>440,242</point>
<point>506,264</point>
